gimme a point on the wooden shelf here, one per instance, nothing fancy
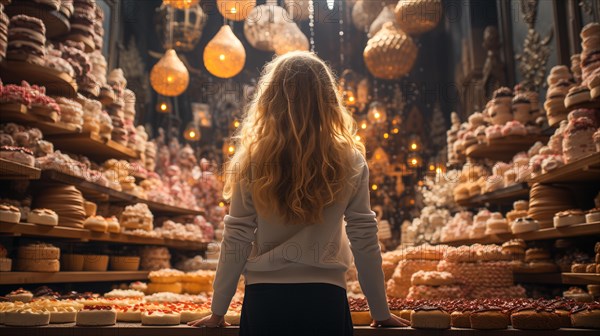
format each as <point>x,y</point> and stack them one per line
<point>95,192</point>
<point>581,278</point>
<point>20,278</point>
<point>56,83</point>
<point>539,278</point>
<point>84,235</point>
<point>558,278</point>
<point>578,230</point>
<point>586,169</point>
<point>136,329</point>
<point>501,196</point>
<point>10,170</point>
<point>56,22</point>
<point>92,146</point>
<point>503,149</point>
<point>19,113</point>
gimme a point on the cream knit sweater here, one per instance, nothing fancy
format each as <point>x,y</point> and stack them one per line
<point>269,251</point>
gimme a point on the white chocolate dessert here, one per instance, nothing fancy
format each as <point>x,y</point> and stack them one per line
<point>27,315</point>
<point>160,317</point>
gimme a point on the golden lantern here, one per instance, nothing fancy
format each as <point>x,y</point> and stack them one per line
<point>263,23</point>
<point>390,54</point>
<point>180,29</point>
<point>224,55</point>
<point>386,15</point>
<point>163,105</point>
<point>235,10</point>
<point>362,19</point>
<point>418,16</point>
<point>377,113</point>
<point>180,4</point>
<point>169,77</point>
<point>289,39</point>
<point>192,132</point>
<point>298,9</point>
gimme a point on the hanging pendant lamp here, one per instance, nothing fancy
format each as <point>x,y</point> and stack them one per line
<point>263,23</point>
<point>180,4</point>
<point>169,77</point>
<point>224,56</point>
<point>289,39</point>
<point>235,10</point>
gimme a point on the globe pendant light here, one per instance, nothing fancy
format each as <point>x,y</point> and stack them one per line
<point>418,16</point>
<point>235,10</point>
<point>289,39</point>
<point>224,55</point>
<point>263,23</point>
<point>181,4</point>
<point>390,54</point>
<point>169,77</point>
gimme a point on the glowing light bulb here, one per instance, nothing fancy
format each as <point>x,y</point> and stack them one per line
<point>233,10</point>
<point>438,170</point>
<point>363,125</point>
<point>374,187</point>
<point>170,79</point>
<point>413,146</point>
<point>222,57</point>
<point>231,149</point>
<point>431,167</point>
<point>163,107</point>
<point>330,4</point>
<point>377,115</point>
<point>377,157</point>
<point>192,134</point>
<point>351,99</point>
<point>236,124</point>
<point>357,138</point>
<point>221,204</point>
<point>386,135</point>
<point>413,162</point>
<point>395,131</point>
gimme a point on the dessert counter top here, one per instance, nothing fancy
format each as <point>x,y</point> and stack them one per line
<point>135,329</point>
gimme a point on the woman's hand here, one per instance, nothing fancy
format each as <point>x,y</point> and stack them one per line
<point>393,321</point>
<point>211,321</point>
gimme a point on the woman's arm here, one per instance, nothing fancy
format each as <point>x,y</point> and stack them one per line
<point>361,228</point>
<point>238,236</point>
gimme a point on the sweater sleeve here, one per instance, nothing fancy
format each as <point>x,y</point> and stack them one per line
<point>361,228</point>
<point>238,236</point>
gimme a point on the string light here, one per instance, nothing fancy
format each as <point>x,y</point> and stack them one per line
<point>374,187</point>
<point>311,24</point>
<point>395,131</point>
<point>413,146</point>
<point>386,135</point>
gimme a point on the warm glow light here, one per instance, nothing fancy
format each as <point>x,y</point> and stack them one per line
<point>438,170</point>
<point>351,99</point>
<point>363,125</point>
<point>236,124</point>
<point>377,156</point>
<point>163,107</point>
<point>413,146</point>
<point>386,135</point>
<point>431,167</point>
<point>192,134</point>
<point>414,162</point>
<point>236,10</point>
<point>221,204</point>
<point>374,187</point>
<point>224,45</point>
<point>412,202</point>
<point>395,131</point>
<point>357,138</point>
<point>169,77</point>
<point>233,10</point>
<point>231,149</point>
<point>377,115</point>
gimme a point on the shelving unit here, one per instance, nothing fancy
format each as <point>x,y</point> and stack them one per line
<point>558,278</point>
<point>56,83</point>
<point>84,235</point>
<point>20,278</point>
<point>56,23</point>
<point>584,170</point>
<point>577,230</point>
<point>10,170</point>
<point>92,146</point>
<point>93,191</point>
<point>20,114</point>
<point>501,196</point>
<point>135,329</point>
<point>503,149</point>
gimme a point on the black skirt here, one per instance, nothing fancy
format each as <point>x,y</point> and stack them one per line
<point>295,309</point>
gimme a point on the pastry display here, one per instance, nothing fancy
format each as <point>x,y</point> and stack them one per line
<point>43,217</point>
<point>569,217</point>
<point>137,217</point>
<point>96,223</point>
<point>429,317</point>
<point>26,315</point>
<point>9,213</point>
<point>96,316</point>
<point>66,201</point>
<point>20,295</point>
<point>26,40</point>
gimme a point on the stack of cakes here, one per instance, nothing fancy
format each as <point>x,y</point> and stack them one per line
<point>66,201</point>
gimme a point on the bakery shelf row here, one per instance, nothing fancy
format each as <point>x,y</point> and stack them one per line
<point>56,83</point>
<point>21,278</point>
<point>501,196</point>
<point>84,235</point>
<point>10,170</point>
<point>558,278</point>
<point>96,192</point>
<point>586,169</point>
<point>135,329</point>
<point>577,230</point>
<point>503,149</point>
<point>67,137</point>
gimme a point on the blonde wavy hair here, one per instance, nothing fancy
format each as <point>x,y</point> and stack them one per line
<point>296,146</point>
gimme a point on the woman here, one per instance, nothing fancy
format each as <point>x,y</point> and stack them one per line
<point>297,174</point>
